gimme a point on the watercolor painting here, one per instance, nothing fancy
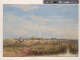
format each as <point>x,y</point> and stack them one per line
<point>40,30</point>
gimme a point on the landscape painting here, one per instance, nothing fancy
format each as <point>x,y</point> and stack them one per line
<point>40,30</point>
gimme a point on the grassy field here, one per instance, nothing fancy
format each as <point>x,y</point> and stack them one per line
<point>40,48</point>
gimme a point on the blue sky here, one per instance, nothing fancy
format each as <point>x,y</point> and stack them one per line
<point>60,21</point>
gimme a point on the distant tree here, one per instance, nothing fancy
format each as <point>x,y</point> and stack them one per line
<point>21,39</point>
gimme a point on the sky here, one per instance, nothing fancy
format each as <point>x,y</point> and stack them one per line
<point>47,21</point>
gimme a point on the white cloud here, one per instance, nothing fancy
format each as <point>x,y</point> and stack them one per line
<point>21,26</point>
<point>39,19</point>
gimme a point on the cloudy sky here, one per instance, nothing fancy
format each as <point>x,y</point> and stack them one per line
<point>60,21</point>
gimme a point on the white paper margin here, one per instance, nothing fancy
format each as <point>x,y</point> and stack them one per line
<point>28,58</point>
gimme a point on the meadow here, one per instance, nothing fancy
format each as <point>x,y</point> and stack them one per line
<point>13,48</point>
